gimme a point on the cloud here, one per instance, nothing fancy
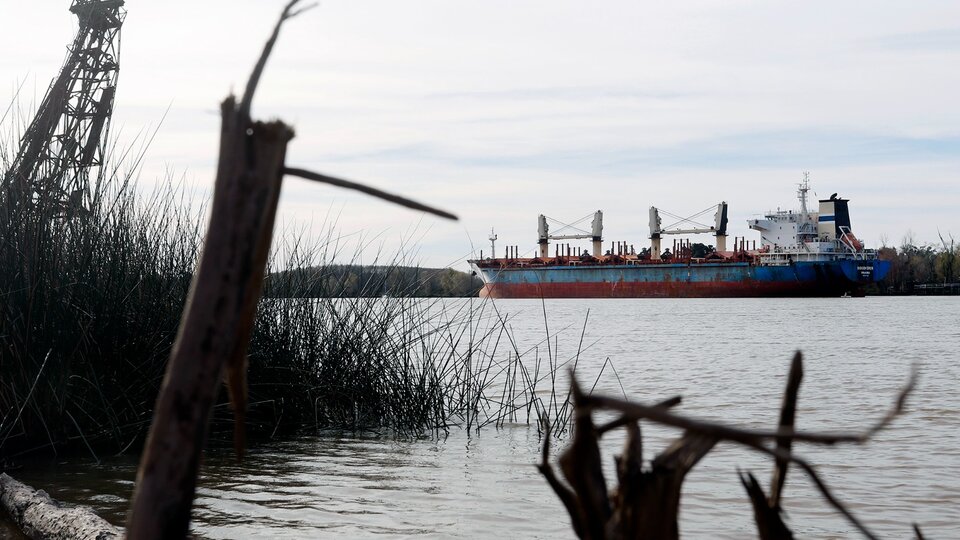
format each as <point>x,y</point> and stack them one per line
<point>761,149</point>
<point>560,93</point>
<point>947,39</point>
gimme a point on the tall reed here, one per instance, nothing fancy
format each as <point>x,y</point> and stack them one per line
<point>90,304</point>
<point>90,307</point>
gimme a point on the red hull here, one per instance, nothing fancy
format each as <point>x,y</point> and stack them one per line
<point>666,289</point>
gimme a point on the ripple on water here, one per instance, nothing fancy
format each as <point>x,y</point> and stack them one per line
<point>728,358</point>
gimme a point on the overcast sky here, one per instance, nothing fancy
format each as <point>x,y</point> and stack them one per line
<point>502,110</point>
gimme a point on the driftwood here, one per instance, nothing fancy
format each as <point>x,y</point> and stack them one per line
<point>646,502</point>
<point>43,518</point>
<point>218,319</point>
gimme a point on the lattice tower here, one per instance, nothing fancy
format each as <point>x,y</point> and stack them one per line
<point>63,147</point>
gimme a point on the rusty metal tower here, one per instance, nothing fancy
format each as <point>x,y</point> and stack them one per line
<point>63,148</point>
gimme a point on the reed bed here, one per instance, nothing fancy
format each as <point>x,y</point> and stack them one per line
<point>90,307</point>
<point>91,303</point>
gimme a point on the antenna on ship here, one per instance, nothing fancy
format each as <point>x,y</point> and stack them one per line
<point>803,188</point>
<point>493,244</point>
<point>806,227</point>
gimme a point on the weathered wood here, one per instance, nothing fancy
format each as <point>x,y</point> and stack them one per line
<point>788,414</point>
<point>634,410</point>
<point>567,497</point>
<point>769,520</point>
<point>216,324</point>
<point>646,503</point>
<point>217,321</point>
<point>43,518</point>
<point>582,467</point>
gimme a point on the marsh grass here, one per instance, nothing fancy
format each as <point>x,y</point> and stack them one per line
<point>91,305</point>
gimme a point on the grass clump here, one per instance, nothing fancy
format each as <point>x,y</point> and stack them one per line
<point>91,306</point>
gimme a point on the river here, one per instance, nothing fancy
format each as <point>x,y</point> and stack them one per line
<point>727,357</point>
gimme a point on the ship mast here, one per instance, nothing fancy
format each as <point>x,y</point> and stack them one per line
<point>803,188</point>
<point>493,244</point>
<point>806,229</point>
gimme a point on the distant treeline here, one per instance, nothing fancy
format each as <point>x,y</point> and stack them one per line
<point>914,267</point>
<point>371,281</point>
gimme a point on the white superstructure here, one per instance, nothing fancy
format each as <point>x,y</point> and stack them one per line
<point>787,235</point>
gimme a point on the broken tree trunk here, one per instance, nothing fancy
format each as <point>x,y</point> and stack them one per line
<point>216,323</point>
<point>43,518</point>
<point>646,501</point>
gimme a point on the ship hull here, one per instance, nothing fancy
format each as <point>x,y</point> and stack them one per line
<point>703,280</point>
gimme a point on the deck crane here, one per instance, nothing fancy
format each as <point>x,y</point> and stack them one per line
<point>595,234</point>
<point>719,228</point>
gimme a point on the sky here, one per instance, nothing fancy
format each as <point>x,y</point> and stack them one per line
<point>503,110</point>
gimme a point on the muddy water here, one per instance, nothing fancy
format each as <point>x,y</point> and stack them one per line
<point>728,358</point>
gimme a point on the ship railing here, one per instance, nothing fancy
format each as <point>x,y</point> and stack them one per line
<point>785,258</point>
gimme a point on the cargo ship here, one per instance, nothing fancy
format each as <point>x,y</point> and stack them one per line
<point>800,253</point>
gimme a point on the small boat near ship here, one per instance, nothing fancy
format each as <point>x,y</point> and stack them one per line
<point>800,253</point>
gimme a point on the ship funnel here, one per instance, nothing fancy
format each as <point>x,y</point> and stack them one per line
<point>833,217</point>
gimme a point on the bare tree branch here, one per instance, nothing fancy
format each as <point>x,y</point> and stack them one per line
<point>723,431</point>
<point>623,420</point>
<point>755,438</point>
<point>396,199</point>
<point>788,413</point>
<point>567,497</point>
<point>300,11</point>
<point>254,80</point>
<point>582,467</point>
<point>770,525</point>
<point>821,487</point>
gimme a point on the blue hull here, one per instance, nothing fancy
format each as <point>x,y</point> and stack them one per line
<point>722,279</point>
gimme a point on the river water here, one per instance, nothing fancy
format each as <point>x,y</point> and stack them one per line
<point>727,357</point>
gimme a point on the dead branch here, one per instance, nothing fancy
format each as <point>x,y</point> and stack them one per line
<point>646,502</point>
<point>396,199</point>
<point>770,525</point>
<point>218,318</point>
<point>766,510</point>
<point>582,467</point>
<point>819,484</point>
<point>755,442</point>
<point>567,497</point>
<point>257,73</point>
<point>625,421</point>
<point>788,413</point>
<point>722,431</point>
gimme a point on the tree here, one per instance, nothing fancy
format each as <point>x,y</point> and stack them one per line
<point>700,251</point>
